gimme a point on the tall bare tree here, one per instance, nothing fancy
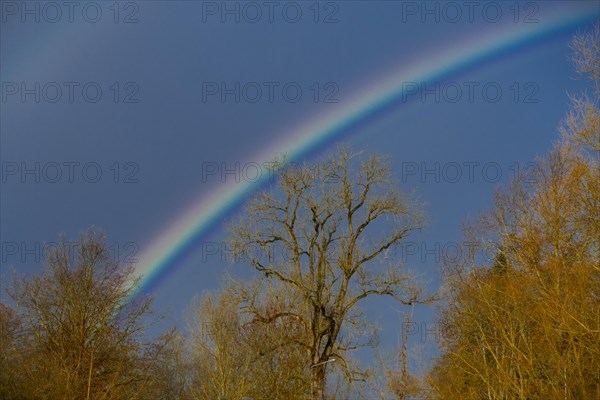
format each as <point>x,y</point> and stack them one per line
<point>323,234</point>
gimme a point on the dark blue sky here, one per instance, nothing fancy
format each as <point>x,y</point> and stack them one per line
<point>154,126</point>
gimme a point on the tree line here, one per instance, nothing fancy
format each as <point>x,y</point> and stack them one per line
<point>524,326</point>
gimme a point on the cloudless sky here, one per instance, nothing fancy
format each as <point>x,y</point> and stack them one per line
<point>133,158</point>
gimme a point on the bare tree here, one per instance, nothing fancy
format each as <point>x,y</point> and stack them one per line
<point>237,355</point>
<point>10,335</point>
<point>171,373</point>
<point>83,335</point>
<point>582,124</point>
<point>525,324</point>
<point>586,54</point>
<point>323,234</point>
<point>219,364</point>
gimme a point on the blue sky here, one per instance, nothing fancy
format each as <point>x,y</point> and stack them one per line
<point>132,158</point>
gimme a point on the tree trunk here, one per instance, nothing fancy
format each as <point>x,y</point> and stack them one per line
<point>318,382</point>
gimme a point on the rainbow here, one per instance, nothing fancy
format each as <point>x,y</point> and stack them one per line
<point>182,237</point>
